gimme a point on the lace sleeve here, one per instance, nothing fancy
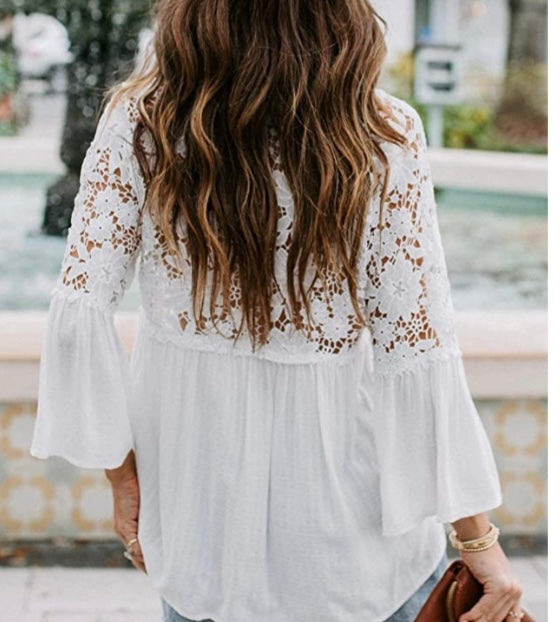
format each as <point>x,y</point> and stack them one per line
<point>435,458</point>
<point>104,235</point>
<point>83,399</point>
<point>408,295</point>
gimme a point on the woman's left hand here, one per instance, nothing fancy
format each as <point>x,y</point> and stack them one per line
<point>126,505</point>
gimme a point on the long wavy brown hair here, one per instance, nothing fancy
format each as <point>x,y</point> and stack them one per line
<point>221,74</point>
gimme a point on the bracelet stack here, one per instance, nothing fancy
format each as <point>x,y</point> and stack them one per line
<point>478,544</point>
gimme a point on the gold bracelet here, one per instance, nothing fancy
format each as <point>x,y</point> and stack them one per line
<point>478,544</point>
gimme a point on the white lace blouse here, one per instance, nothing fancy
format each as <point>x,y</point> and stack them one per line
<point>306,482</point>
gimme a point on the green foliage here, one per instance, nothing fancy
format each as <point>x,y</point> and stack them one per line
<point>8,74</point>
<point>7,128</point>
<point>475,126</point>
<point>467,127</point>
<point>526,88</point>
<point>401,76</point>
<point>8,85</point>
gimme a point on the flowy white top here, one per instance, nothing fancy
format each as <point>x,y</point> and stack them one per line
<point>309,480</point>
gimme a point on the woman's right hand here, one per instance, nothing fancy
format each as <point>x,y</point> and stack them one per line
<point>502,589</point>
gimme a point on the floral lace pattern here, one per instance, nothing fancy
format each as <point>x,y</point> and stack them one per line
<point>407,290</point>
<point>403,284</point>
<point>104,236</point>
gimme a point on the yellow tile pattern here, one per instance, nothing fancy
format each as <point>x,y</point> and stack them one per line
<point>43,498</point>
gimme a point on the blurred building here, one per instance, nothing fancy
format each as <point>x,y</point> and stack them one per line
<point>480,26</point>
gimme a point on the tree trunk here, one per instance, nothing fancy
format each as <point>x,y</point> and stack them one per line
<point>104,36</point>
<point>522,113</point>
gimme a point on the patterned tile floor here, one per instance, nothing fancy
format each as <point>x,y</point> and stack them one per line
<point>120,595</point>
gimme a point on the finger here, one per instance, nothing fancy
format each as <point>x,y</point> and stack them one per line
<point>124,526</point>
<point>131,537</point>
<point>137,560</point>
<point>139,564</point>
<point>513,603</point>
<point>134,548</point>
<point>136,564</point>
<point>137,551</point>
<point>504,611</point>
<point>486,609</point>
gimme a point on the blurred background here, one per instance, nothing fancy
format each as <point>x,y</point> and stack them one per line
<point>476,70</point>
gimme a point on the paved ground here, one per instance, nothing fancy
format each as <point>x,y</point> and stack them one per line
<point>120,595</point>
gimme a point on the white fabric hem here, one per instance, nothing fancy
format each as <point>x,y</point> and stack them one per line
<point>444,518</point>
<point>77,461</point>
<point>84,387</point>
<point>216,616</point>
<point>434,456</point>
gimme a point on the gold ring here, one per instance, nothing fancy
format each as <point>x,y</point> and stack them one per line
<point>518,615</point>
<point>131,541</point>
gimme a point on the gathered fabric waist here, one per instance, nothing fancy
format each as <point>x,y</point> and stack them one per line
<point>277,352</point>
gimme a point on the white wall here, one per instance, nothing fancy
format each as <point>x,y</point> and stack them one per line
<point>399,15</point>
<point>484,40</point>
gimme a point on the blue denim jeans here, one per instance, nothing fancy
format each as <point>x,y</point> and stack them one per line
<point>405,613</point>
<point>411,608</point>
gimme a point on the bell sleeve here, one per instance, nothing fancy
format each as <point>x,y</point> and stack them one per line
<point>83,397</point>
<point>434,456</point>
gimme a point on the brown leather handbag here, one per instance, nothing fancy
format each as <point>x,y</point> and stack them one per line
<point>455,593</point>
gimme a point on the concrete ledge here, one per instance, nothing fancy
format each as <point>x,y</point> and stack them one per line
<point>505,352</point>
<point>493,171</point>
<point>23,154</point>
<point>471,169</point>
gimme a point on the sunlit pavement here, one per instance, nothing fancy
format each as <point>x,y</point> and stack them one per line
<point>119,595</point>
<point>77,595</point>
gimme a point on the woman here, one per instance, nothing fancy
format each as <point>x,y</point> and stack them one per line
<point>295,427</point>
